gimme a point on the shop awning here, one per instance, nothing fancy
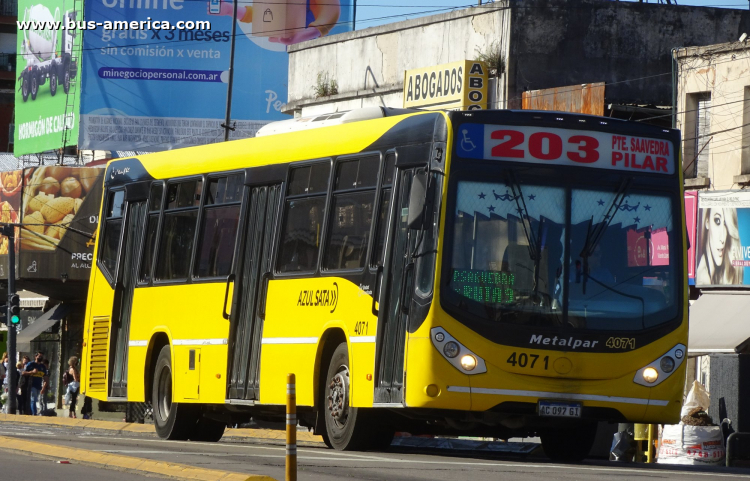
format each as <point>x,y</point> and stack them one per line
<point>41,324</point>
<point>719,322</point>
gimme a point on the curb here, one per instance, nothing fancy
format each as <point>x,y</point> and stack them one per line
<point>108,461</point>
<point>123,427</point>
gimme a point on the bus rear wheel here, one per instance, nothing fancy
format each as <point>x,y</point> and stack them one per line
<point>569,445</point>
<point>349,428</point>
<point>172,420</point>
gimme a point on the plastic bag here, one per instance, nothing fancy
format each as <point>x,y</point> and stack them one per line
<point>697,397</point>
<point>692,445</point>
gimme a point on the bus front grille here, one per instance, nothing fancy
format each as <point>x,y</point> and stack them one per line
<point>98,354</point>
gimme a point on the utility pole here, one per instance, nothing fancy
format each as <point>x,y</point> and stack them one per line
<point>9,231</point>
<point>226,125</point>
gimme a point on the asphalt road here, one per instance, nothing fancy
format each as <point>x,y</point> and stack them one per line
<point>20,467</point>
<point>316,463</point>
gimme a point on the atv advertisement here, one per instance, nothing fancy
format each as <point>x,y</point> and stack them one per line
<point>47,73</point>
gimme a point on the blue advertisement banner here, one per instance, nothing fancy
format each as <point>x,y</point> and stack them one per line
<point>722,251</point>
<point>155,72</point>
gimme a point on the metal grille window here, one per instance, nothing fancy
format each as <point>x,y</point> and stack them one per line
<point>351,213</point>
<point>303,218</point>
<point>219,226</point>
<point>702,134</point>
<point>154,207</point>
<point>112,230</point>
<point>178,232</point>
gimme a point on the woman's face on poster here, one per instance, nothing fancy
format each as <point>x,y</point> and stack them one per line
<point>717,235</point>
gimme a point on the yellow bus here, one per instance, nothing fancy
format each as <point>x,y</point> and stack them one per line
<point>494,273</point>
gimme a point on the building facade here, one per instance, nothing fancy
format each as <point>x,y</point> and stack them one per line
<point>529,44</point>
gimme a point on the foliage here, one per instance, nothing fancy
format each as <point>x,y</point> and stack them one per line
<point>325,86</point>
<point>492,55</point>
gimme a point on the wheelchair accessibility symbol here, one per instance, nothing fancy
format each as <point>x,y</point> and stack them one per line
<point>466,143</point>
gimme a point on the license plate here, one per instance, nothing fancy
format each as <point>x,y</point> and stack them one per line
<point>560,409</point>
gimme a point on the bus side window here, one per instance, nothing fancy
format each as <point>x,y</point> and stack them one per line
<point>178,230</point>
<point>112,231</point>
<point>303,218</point>
<point>154,207</point>
<point>385,202</point>
<point>218,231</point>
<point>351,213</point>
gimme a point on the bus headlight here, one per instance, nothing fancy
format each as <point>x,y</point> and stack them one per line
<point>450,349</point>
<point>660,369</point>
<point>461,357</point>
<point>468,362</point>
<point>650,374</point>
<point>667,364</point>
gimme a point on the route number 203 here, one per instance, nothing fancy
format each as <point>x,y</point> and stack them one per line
<point>527,360</point>
<point>545,146</point>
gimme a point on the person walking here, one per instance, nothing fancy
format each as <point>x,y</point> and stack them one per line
<point>73,378</point>
<point>24,386</point>
<point>39,379</point>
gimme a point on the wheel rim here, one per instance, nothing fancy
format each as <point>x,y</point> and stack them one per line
<point>338,390</point>
<point>165,392</point>
<point>33,85</point>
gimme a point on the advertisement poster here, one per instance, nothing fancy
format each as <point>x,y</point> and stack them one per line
<point>163,84</point>
<point>47,73</point>
<point>11,184</point>
<point>60,217</point>
<point>691,213</point>
<point>722,250</point>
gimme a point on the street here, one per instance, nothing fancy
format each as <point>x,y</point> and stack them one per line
<point>317,463</point>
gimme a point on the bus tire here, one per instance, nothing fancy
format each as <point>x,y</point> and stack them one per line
<point>569,445</point>
<point>172,420</point>
<point>208,430</point>
<point>348,428</point>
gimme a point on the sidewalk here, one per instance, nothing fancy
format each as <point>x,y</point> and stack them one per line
<point>148,429</point>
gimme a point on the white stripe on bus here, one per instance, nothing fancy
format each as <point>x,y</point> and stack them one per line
<point>362,339</point>
<point>289,340</point>
<point>558,395</point>
<point>199,342</point>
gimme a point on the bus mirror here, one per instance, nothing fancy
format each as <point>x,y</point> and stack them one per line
<point>417,200</point>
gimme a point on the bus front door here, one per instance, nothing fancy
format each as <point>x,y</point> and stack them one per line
<point>252,272</point>
<point>397,284</point>
<point>124,290</point>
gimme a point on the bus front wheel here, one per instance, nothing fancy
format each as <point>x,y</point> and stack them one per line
<point>569,445</point>
<point>172,420</point>
<point>349,428</point>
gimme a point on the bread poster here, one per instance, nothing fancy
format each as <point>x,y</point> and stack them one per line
<point>11,186</point>
<point>60,209</point>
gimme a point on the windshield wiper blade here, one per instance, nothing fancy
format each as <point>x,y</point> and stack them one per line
<point>523,212</point>
<point>593,237</point>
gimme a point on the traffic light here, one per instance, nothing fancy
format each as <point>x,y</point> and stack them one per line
<point>15,309</point>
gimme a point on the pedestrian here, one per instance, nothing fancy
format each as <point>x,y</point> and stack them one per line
<point>24,386</point>
<point>44,393</point>
<point>19,397</point>
<point>39,376</point>
<point>73,381</point>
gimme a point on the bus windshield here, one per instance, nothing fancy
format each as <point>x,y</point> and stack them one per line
<point>593,257</point>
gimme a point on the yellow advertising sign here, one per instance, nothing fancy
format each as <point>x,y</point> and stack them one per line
<point>458,85</point>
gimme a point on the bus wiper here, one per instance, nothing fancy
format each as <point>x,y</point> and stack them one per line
<point>594,236</point>
<point>524,214</point>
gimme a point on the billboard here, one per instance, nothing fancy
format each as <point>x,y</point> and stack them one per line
<point>163,84</point>
<point>46,96</point>
<point>458,85</point>
<point>691,213</point>
<point>11,184</point>
<point>60,208</point>
<point>722,250</point>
